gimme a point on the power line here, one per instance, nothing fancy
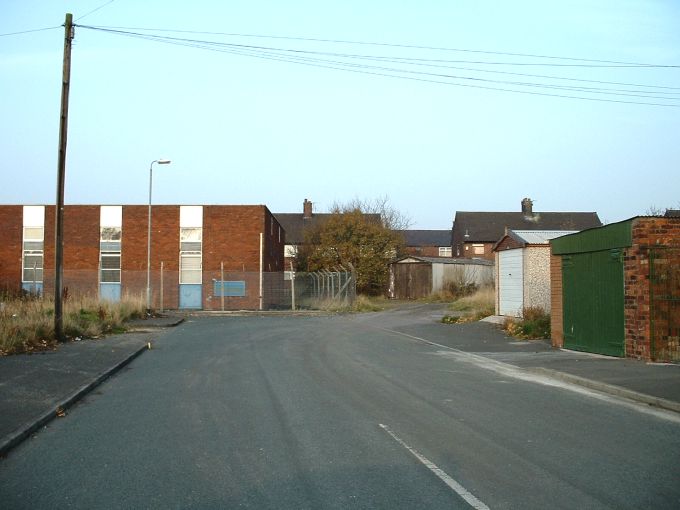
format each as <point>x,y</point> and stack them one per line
<point>303,58</point>
<point>392,59</point>
<point>30,31</point>
<point>95,10</point>
<point>390,45</point>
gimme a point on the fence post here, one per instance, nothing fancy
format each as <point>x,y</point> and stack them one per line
<point>292,286</point>
<point>222,280</point>
<point>261,267</point>
<point>161,296</point>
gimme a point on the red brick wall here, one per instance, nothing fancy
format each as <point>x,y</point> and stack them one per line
<point>11,237</point>
<point>48,258</point>
<point>422,251</point>
<point>647,233</point>
<point>468,251</point>
<point>230,234</point>
<point>81,249</point>
<point>556,310</point>
<point>164,248</point>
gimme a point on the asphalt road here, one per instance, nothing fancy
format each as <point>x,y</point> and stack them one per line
<point>338,412</point>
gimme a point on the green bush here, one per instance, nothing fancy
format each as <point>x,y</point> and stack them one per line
<point>534,324</point>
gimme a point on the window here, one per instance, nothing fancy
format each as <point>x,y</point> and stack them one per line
<point>444,251</point>
<point>33,246</point>
<point>290,251</point>
<point>190,244</point>
<point>189,267</point>
<point>109,258</point>
<point>110,235</point>
<point>190,254</point>
<point>478,249</point>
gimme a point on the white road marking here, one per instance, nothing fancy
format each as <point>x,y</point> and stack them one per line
<point>509,370</point>
<point>441,474</point>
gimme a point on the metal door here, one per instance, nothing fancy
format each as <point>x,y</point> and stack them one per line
<point>593,298</point>
<point>511,282</point>
<point>109,292</point>
<point>190,296</point>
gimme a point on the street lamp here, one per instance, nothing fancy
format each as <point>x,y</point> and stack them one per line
<point>148,246</point>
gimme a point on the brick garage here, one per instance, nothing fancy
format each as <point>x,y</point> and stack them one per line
<point>230,235</point>
<point>641,289</point>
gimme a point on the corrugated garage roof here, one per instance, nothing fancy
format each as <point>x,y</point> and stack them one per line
<point>538,236</point>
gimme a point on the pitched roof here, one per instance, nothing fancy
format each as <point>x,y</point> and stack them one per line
<point>522,238</point>
<point>426,237</point>
<point>489,227</point>
<point>295,224</point>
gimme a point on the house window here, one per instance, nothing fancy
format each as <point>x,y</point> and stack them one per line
<point>444,251</point>
<point>290,251</point>
<point>478,249</point>
<point>110,235</point>
<point>33,247</point>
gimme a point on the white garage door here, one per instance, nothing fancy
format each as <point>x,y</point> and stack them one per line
<point>510,286</point>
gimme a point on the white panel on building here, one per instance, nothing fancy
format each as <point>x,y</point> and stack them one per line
<point>111,216</point>
<point>511,282</point>
<point>190,216</point>
<point>34,216</point>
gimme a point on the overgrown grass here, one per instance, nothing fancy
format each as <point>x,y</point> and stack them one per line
<point>534,324</point>
<point>27,324</point>
<point>362,303</point>
<point>473,307</point>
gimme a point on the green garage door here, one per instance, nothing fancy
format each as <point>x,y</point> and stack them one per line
<point>593,302</point>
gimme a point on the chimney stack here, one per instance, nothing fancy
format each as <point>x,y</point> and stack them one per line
<point>527,207</point>
<point>306,209</point>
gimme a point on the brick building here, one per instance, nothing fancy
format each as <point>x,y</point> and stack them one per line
<point>105,253</point>
<point>427,243</point>
<point>616,289</point>
<point>474,234</point>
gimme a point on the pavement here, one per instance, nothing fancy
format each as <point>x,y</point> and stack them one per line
<point>37,388</point>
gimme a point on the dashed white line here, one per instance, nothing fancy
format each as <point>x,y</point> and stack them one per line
<point>441,474</point>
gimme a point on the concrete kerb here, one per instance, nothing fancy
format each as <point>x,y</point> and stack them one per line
<point>25,431</point>
<point>607,388</point>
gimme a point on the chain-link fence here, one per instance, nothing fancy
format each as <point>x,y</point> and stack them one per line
<point>171,289</point>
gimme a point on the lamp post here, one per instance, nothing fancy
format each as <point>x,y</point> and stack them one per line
<point>148,246</point>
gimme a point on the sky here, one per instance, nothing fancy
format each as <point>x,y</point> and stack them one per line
<point>275,113</point>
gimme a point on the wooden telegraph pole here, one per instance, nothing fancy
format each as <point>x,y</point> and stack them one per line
<point>61,171</point>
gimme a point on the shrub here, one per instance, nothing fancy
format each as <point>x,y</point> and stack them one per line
<point>534,324</point>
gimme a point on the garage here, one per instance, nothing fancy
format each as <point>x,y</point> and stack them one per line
<point>510,283</point>
<point>523,270</point>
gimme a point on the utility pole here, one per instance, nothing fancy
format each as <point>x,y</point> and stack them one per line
<point>61,171</point>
